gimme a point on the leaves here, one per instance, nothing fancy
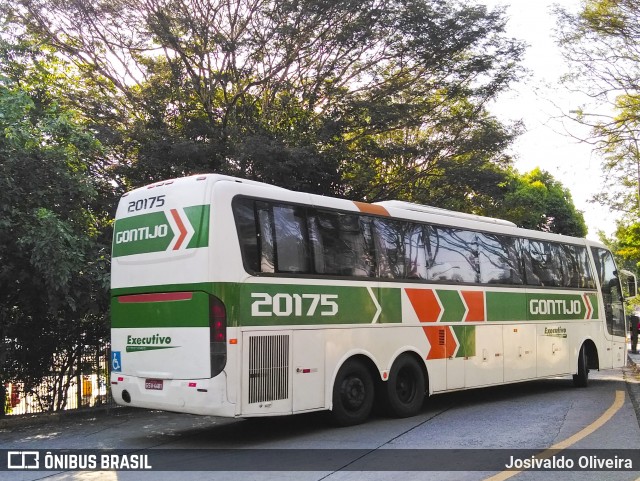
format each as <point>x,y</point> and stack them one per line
<point>537,201</point>
<point>602,44</point>
<point>52,281</point>
<point>323,86</point>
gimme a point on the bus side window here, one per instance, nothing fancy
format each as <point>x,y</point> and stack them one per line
<point>587,280</point>
<point>292,253</point>
<point>416,252</point>
<point>265,222</point>
<point>576,267</point>
<point>558,265</point>
<point>391,236</point>
<point>546,268</point>
<point>499,263</point>
<point>245,217</point>
<point>455,255</point>
<point>530,278</point>
<point>340,245</point>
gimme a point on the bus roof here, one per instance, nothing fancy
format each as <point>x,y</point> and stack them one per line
<point>398,204</point>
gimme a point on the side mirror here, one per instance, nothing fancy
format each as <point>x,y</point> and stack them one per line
<point>631,285</point>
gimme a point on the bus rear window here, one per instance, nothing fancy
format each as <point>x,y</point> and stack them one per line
<point>273,237</point>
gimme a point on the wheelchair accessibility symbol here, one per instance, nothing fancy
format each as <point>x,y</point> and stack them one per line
<point>116,361</point>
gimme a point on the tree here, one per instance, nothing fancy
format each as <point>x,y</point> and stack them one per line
<point>53,260</point>
<point>537,201</point>
<point>602,44</point>
<point>626,244</point>
<point>293,93</point>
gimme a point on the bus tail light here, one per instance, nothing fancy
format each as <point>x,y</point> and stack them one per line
<point>218,335</point>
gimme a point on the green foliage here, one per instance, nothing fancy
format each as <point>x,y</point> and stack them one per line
<point>604,16</point>
<point>331,97</point>
<point>625,245</point>
<point>53,263</point>
<point>537,201</point>
<point>602,45</point>
<point>628,243</point>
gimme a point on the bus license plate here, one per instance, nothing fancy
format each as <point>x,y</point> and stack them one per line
<point>155,384</point>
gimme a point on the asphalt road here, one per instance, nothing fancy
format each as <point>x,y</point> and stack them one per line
<point>457,429</point>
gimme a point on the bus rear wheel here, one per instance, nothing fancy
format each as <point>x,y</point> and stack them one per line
<point>353,393</point>
<point>581,379</point>
<point>405,389</point>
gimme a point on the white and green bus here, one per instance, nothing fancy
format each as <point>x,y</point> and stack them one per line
<point>236,298</point>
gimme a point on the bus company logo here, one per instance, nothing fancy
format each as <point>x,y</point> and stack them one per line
<point>555,307</point>
<point>148,343</point>
<point>555,332</point>
<point>163,231</point>
<point>158,231</point>
<point>141,233</point>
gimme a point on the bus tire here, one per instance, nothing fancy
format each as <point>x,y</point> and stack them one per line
<point>405,389</point>
<point>353,394</point>
<point>581,379</point>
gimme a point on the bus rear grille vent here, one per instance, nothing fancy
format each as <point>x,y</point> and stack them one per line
<point>441,337</point>
<point>268,368</point>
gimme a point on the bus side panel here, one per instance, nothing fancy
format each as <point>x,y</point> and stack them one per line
<point>266,372</point>
<point>487,366</point>
<point>553,351</point>
<point>308,369</point>
<point>519,352</point>
<point>284,371</point>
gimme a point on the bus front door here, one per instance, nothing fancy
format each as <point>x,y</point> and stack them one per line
<point>613,306</point>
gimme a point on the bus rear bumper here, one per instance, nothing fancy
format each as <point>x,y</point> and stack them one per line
<point>193,396</point>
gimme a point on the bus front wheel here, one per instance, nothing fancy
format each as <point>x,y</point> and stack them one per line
<point>353,393</point>
<point>581,379</point>
<point>405,389</point>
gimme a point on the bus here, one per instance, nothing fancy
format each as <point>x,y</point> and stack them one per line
<point>236,298</point>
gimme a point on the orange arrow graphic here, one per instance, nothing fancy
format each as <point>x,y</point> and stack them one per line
<point>475,303</point>
<point>587,303</point>
<point>181,228</point>
<point>425,304</point>
<point>443,342</point>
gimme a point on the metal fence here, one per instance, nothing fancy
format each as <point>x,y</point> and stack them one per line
<point>84,386</point>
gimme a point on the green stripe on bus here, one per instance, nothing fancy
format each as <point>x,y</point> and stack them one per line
<point>287,304</point>
<point>390,300</point>
<point>594,305</point>
<point>466,336</point>
<point>198,216</point>
<point>184,313</point>
<point>274,304</point>
<point>267,304</point>
<point>452,304</point>
<point>539,305</point>
<point>506,306</point>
